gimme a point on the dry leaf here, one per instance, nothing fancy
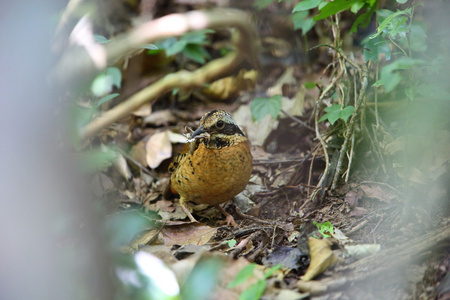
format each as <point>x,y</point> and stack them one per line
<point>190,233</point>
<point>160,118</point>
<point>322,258</point>
<point>143,111</point>
<point>377,191</point>
<point>158,148</point>
<point>230,87</point>
<point>121,165</point>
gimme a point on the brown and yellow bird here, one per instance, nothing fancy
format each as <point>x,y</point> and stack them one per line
<point>214,166</point>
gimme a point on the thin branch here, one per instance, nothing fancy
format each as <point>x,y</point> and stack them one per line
<point>172,25</point>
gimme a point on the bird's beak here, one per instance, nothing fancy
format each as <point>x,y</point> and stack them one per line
<point>199,131</point>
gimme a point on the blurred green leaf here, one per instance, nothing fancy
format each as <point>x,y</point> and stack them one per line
<point>362,21</point>
<point>302,21</point>
<point>231,243</point>
<point>389,76</point>
<point>176,47</point>
<point>389,20</point>
<point>202,280</point>
<point>336,112</point>
<point>107,98</point>
<point>196,53</point>
<point>260,107</point>
<point>254,292</point>
<point>306,5</point>
<point>116,76</point>
<point>418,38</point>
<point>261,4</point>
<point>374,47</point>
<point>310,85</point>
<point>272,270</point>
<point>97,159</point>
<point>356,7</point>
<point>197,37</point>
<point>243,275</point>
<point>332,8</point>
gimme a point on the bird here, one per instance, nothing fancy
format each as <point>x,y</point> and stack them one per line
<point>213,167</point>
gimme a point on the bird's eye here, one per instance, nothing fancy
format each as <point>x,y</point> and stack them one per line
<point>220,124</point>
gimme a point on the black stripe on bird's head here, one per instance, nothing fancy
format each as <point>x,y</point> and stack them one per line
<point>217,122</point>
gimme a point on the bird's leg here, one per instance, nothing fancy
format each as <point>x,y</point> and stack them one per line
<point>228,218</point>
<point>183,204</point>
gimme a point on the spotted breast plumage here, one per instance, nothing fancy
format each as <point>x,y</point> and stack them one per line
<point>214,166</point>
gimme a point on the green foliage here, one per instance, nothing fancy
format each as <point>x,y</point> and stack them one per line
<point>336,112</point>
<point>96,159</point>
<point>390,76</point>
<point>310,85</point>
<point>191,45</point>
<point>107,98</point>
<point>373,47</point>
<point>231,243</point>
<point>243,275</point>
<point>104,83</point>
<point>325,228</point>
<point>202,280</point>
<point>255,291</point>
<point>302,21</point>
<point>334,7</point>
<point>261,4</point>
<point>260,107</point>
<point>307,5</point>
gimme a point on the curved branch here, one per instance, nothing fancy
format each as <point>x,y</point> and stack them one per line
<point>171,25</point>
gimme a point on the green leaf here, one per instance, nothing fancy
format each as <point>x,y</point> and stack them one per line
<point>104,82</point>
<point>272,270</point>
<point>244,274</point>
<point>310,85</point>
<point>362,21</point>
<point>389,76</point>
<point>356,7</point>
<point>94,160</point>
<point>302,21</point>
<point>388,20</point>
<point>306,5</point>
<point>101,39</point>
<point>196,53</point>
<point>231,243</point>
<point>205,275</point>
<point>107,98</point>
<point>254,292</point>
<point>260,107</point>
<point>197,37</point>
<point>332,8</point>
<point>402,1</point>
<point>324,228</point>
<point>374,47</point>
<point>261,4</point>
<point>176,47</point>
<point>116,76</point>
<point>418,38</point>
<point>336,112</point>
